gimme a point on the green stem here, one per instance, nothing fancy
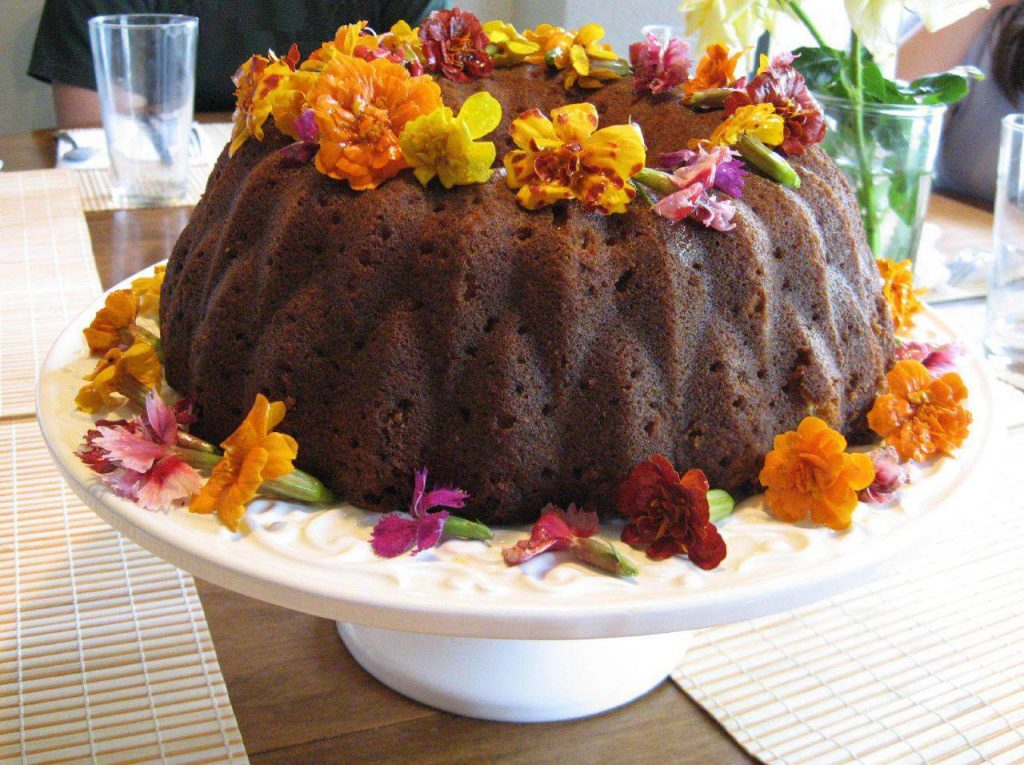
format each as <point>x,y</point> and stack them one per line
<point>712,98</point>
<point>619,66</point>
<point>149,337</point>
<point>603,555</point>
<point>769,162</point>
<point>456,526</point>
<point>297,485</point>
<point>799,12</point>
<point>867,181</point>
<point>656,180</point>
<point>720,503</point>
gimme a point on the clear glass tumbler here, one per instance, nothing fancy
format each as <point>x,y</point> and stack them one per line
<point>1004,332</point>
<point>145,74</point>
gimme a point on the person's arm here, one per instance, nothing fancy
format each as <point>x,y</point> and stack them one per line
<point>925,52</point>
<point>75,106</point>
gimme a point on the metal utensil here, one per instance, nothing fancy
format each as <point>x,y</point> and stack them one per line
<point>76,153</point>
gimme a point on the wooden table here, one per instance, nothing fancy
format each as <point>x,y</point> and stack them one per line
<point>297,693</point>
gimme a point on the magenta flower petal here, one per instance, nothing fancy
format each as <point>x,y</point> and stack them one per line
<point>124,483</point>
<point>133,450</point>
<point>658,68</point>
<point>306,127</point>
<point>937,359</point>
<point>550,532</point>
<point>730,177</point>
<point>422,500</point>
<point>890,475</point>
<point>583,523</point>
<point>160,419</point>
<point>429,529</point>
<point>169,483</point>
<point>393,535</point>
<point>715,213</point>
<point>670,160</point>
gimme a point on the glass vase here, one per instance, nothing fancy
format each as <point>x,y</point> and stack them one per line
<point>887,151</point>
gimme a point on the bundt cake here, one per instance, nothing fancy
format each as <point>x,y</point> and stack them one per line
<point>525,356</point>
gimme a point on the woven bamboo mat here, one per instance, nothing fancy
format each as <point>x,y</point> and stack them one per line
<point>105,655</point>
<point>924,666</point>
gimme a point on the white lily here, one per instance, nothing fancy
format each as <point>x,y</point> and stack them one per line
<point>876,22</point>
<point>734,23</point>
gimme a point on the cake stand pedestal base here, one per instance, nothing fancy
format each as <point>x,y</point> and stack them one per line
<point>516,680</point>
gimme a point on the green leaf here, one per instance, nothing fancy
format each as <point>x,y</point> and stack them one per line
<point>945,88</point>
<point>824,69</point>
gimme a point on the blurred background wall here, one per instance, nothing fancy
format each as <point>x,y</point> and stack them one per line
<point>25,104</point>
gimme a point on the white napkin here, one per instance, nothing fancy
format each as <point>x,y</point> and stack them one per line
<point>204,149</point>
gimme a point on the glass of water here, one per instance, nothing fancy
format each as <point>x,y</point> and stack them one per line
<point>1004,332</point>
<point>145,74</point>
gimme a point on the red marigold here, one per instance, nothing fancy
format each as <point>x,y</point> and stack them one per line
<point>455,44</point>
<point>669,515</point>
<point>782,86</point>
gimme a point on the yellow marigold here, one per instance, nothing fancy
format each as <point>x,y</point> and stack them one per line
<point>566,159</point>
<point>291,98</point>
<point>110,326</point>
<point>118,371</point>
<point>808,472</point>
<point>899,292</point>
<point>756,120</point>
<point>438,144</point>
<point>252,454</point>
<point>548,38</point>
<point>921,416</point>
<point>346,40</point>
<point>716,69</point>
<point>508,47</point>
<point>254,81</point>
<point>361,108</point>
<point>147,290</point>
<point>404,39</point>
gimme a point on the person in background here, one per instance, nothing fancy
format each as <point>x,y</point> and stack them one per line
<point>229,32</point>
<point>993,41</point>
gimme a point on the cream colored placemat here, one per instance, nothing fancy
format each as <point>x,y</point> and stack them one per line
<point>926,665</point>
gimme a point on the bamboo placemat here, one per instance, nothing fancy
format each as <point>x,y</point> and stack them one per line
<point>926,665</point>
<point>105,655</point>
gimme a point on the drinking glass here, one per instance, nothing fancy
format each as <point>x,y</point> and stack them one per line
<point>145,74</point>
<point>1004,332</point>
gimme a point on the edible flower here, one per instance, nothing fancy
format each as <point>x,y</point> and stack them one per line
<point>672,515</point>
<point>111,327</point>
<point>403,39</point>
<point>290,100</point>
<point>564,158</point>
<point>440,144</point>
<point>455,44</point>
<point>252,454</point>
<point>361,107</point>
<point>659,67</point>
<point>715,69</point>
<point>898,290</point>
<point>921,416</point>
<point>396,534</point>
<point>137,458</point>
<point>147,290</point>
<point>573,530</point>
<point>254,81</point>
<point>130,373</point>
<point>583,58</point>
<point>689,190</point>
<point>779,84</point>
<point>506,46</point>
<point>303,150</point>
<point>890,475</point>
<point>759,121</point>
<point>808,472</point>
<point>937,359</point>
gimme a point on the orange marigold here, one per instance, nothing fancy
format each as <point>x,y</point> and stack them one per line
<point>716,69</point>
<point>111,325</point>
<point>899,292</point>
<point>808,472</point>
<point>252,455</point>
<point>361,107</point>
<point>921,416</point>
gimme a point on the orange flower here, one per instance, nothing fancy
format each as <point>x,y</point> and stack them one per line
<point>899,292</point>
<point>809,472</point>
<point>109,328</point>
<point>361,108</point>
<point>136,369</point>
<point>254,81</point>
<point>716,69</point>
<point>921,416</point>
<point>290,99</point>
<point>147,290</point>
<point>252,455</point>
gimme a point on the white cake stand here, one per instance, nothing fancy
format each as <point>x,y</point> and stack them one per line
<point>457,629</point>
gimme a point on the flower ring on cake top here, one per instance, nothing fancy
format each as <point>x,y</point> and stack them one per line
<point>566,157</point>
<point>779,84</point>
<point>127,373</point>
<point>254,81</point>
<point>809,473</point>
<point>147,290</point>
<point>659,68</point>
<point>442,145</point>
<point>921,416</point>
<point>585,60</point>
<point>753,130</point>
<point>671,515</point>
<point>506,46</point>
<point>898,290</point>
<point>111,327</point>
<point>455,44</point>
<point>361,107</point>
<point>689,191</point>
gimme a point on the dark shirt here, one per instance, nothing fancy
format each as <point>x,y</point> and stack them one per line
<point>229,32</point>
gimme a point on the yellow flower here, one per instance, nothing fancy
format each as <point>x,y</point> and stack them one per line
<point>440,144</point>
<point>111,323</point>
<point>117,371</point>
<point>346,40</point>
<point>547,38</point>
<point>510,47</point>
<point>403,39</point>
<point>573,53</point>
<point>566,159</point>
<point>898,290</point>
<point>252,455</point>
<point>734,23</point>
<point>291,98</point>
<point>254,81</point>
<point>756,120</point>
<point>147,290</point>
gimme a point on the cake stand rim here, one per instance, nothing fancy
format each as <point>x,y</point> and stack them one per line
<point>556,619</point>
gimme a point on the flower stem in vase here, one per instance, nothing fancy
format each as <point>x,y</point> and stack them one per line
<point>867,181</point>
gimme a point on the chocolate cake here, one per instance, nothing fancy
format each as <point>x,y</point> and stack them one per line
<point>527,357</point>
